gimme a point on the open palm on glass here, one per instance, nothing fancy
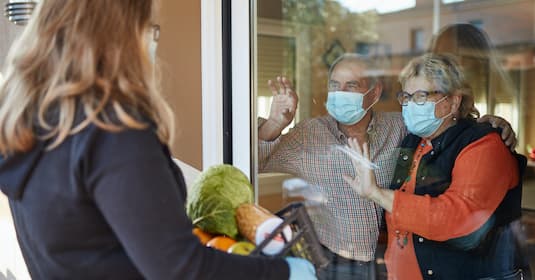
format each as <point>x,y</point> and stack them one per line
<point>364,182</point>
<point>284,102</point>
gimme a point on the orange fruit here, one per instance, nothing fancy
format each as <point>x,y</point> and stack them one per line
<point>221,243</point>
<point>203,236</point>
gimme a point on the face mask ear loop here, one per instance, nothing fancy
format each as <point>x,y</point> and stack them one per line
<point>448,115</point>
<point>441,99</point>
<point>374,102</point>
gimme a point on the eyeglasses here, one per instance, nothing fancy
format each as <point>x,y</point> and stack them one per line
<point>155,32</point>
<point>419,97</point>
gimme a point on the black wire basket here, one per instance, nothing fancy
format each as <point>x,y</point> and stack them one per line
<point>304,242</point>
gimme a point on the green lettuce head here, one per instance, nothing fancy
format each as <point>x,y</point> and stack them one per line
<point>214,197</point>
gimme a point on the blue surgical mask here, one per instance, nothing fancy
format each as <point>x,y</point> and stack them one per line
<point>420,119</point>
<point>346,107</point>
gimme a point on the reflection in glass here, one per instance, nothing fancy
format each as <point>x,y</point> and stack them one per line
<point>308,35</point>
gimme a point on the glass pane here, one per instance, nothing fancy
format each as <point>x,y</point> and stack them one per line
<point>302,39</point>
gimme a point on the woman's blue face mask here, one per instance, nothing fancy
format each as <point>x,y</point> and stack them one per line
<point>420,119</point>
<point>346,107</point>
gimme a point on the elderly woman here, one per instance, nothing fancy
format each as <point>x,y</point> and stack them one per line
<point>456,187</point>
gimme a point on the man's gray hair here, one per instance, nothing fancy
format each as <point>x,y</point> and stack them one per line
<point>371,72</point>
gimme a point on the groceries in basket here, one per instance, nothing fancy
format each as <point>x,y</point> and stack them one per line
<point>256,224</point>
<point>213,198</point>
<point>220,205</point>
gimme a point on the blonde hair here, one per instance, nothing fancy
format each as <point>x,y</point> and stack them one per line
<point>83,56</point>
<point>446,74</point>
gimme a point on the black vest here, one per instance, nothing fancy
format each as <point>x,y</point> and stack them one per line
<point>488,251</point>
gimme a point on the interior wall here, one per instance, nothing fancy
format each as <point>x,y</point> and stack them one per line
<point>179,51</point>
<point>9,32</point>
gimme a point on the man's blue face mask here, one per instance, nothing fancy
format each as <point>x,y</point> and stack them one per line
<point>346,107</point>
<point>420,119</point>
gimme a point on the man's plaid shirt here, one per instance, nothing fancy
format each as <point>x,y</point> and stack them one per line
<point>350,226</point>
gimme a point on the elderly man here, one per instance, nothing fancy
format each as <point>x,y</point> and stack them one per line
<point>351,231</point>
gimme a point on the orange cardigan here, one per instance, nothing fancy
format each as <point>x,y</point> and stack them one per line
<point>461,209</point>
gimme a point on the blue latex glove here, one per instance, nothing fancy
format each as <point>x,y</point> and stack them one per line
<point>300,269</point>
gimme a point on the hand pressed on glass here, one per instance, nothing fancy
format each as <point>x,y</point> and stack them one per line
<point>284,102</point>
<point>364,182</point>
